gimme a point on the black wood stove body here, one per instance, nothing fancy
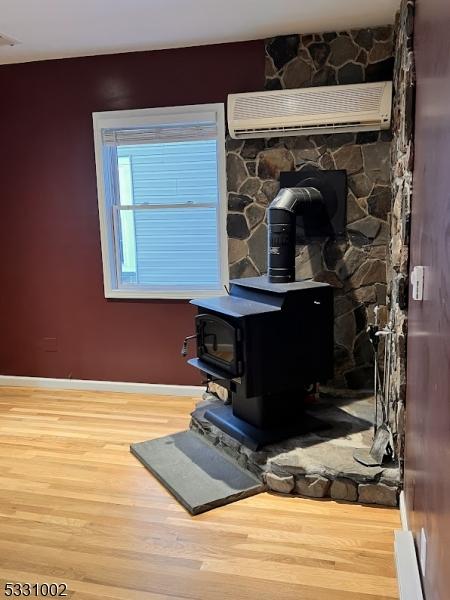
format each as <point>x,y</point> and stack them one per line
<point>266,343</point>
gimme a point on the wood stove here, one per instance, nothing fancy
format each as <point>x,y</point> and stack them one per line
<point>266,343</point>
<point>271,337</point>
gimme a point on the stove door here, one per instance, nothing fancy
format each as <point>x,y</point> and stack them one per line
<point>219,343</point>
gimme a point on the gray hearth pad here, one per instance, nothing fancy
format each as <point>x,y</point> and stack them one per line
<point>195,472</point>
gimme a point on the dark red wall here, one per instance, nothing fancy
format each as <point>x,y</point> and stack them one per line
<point>427,475</point>
<point>51,282</point>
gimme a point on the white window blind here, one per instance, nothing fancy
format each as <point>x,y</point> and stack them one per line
<point>161,184</point>
<point>160,133</point>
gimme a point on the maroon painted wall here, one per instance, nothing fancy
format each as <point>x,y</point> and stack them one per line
<point>427,475</point>
<point>50,261</point>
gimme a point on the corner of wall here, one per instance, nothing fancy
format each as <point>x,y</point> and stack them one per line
<point>402,157</point>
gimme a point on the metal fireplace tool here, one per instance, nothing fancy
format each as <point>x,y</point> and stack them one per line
<point>382,444</point>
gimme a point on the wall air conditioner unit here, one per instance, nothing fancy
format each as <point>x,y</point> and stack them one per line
<point>309,111</point>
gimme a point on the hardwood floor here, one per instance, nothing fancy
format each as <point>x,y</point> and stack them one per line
<point>77,507</point>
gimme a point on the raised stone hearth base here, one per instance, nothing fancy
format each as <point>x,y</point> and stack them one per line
<point>319,464</point>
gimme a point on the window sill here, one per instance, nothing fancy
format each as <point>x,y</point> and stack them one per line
<point>162,295</point>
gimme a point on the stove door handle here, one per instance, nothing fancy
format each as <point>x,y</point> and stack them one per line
<point>184,347</point>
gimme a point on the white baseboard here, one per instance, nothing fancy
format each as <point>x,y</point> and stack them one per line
<point>409,585</point>
<point>406,561</point>
<point>101,386</point>
<point>403,511</point>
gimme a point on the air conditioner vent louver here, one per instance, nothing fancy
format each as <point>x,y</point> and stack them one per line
<point>360,107</point>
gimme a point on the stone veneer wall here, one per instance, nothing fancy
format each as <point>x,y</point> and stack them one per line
<point>356,265</point>
<point>402,156</point>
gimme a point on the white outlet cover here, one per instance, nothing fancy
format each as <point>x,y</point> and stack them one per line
<point>417,282</point>
<point>423,551</point>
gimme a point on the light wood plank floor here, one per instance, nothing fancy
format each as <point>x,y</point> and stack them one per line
<point>77,507</point>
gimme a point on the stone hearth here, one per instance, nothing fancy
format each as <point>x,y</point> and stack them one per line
<point>318,464</point>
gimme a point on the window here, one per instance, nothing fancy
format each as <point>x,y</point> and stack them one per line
<point>161,196</point>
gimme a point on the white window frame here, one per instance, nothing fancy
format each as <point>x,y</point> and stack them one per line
<point>141,118</point>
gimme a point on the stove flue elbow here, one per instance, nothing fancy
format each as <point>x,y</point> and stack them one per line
<point>283,211</point>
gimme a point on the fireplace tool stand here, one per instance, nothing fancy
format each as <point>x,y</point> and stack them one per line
<point>382,440</point>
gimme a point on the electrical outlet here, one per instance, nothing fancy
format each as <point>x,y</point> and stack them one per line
<point>423,551</point>
<point>417,282</point>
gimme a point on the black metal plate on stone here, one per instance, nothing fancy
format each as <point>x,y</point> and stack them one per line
<point>254,438</point>
<point>195,472</point>
<point>319,222</point>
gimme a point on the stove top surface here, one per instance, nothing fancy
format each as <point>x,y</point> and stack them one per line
<point>234,306</point>
<point>262,283</point>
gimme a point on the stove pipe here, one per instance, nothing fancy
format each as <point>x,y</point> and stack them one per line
<point>283,211</point>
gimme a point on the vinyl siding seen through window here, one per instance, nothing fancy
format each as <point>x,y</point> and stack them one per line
<point>170,245</point>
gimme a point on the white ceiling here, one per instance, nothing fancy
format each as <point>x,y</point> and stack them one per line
<point>62,28</point>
